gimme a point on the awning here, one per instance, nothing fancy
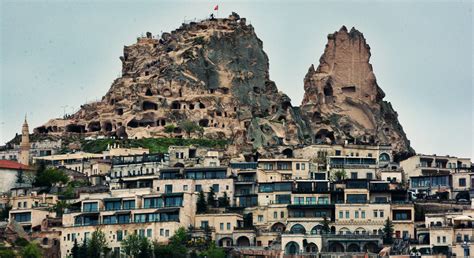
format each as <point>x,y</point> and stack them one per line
<point>112,199</point>
<point>167,210</point>
<point>463,217</point>
<point>122,212</point>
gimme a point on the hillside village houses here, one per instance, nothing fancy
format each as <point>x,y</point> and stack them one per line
<point>320,199</point>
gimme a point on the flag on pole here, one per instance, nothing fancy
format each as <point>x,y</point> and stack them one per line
<point>216,8</point>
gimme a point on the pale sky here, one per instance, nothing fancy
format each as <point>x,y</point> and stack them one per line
<point>57,55</point>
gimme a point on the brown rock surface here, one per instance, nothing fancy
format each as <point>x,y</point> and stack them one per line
<point>343,100</point>
<point>215,73</point>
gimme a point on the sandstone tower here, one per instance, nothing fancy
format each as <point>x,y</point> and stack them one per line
<point>25,145</point>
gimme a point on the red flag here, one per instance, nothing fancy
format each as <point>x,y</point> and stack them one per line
<point>216,7</point>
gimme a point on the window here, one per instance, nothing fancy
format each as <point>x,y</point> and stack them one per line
<point>462,182</point>
<point>204,224</point>
<point>356,198</point>
<point>129,204</point>
<point>375,213</point>
<point>444,239</point>
<point>347,214</point>
<point>260,218</point>
<point>341,214</point>
<point>439,239</point>
<point>283,198</point>
<point>298,200</point>
<point>356,215</point>
<point>185,188</point>
<point>22,217</point>
<point>112,205</point>
<point>91,206</point>
<point>73,236</point>
<point>167,233</point>
<point>119,235</point>
<point>215,187</point>
<point>297,166</point>
<point>362,214</point>
<point>338,153</point>
<point>168,188</point>
<point>353,175</point>
<point>198,188</point>
<point>275,215</point>
<point>228,225</point>
<point>369,175</point>
<point>310,200</point>
<point>221,226</point>
<point>162,232</point>
<point>303,166</point>
<point>466,238</point>
<point>381,214</point>
<point>149,232</point>
<point>282,214</point>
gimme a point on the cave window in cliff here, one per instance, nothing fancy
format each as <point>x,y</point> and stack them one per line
<point>386,129</point>
<point>191,106</point>
<point>112,101</point>
<point>288,153</point>
<point>328,92</point>
<point>133,123</point>
<point>108,126</point>
<point>94,126</point>
<point>175,105</point>
<point>317,118</point>
<point>225,90</point>
<point>285,105</point>
<point>177,130</point>
<point>282,118</point>
<point>147,105</point>
<point>348,89</point>
<point>225,114</point>
<point>256,90</point>
<point>148,92</point>
<point>166,93</point>
<point>215,125</point>
<point>161,122</point>
<point>201,106</point>
<point>211,91</point>
<point>323,136</point>
<point>223,125</point>
<point>204,122</point>
<point>235,109</point>
<point>119,111</point>
<point>73,128</point>
<point>218,113</point>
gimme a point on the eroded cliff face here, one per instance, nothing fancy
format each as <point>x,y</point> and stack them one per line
<point>343,101</point>
<point>216,74</point>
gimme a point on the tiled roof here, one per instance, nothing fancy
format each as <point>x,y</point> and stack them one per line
<point>10,164</point>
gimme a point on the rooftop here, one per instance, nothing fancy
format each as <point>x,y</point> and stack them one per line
<point>10,164</point>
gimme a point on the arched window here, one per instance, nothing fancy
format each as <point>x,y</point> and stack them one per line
<point>298,229</point>
<point>384,157</point>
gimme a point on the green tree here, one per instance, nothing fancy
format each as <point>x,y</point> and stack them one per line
<point>5,212</point>
<point>213,252</point>
<point>388,232</point>
<point>145,247</point>
<point>224,201</point>
<point>340,175</point>
<point>7,253</point>
<point>97,244</point>
<point>50,177</point>
<point>75,250</point>
<point>211,197</point>
<point>20,180</point>
<point>326,229</point>
<point>176,247</point>
<point>169,129</point>
<point>59,208</point>
<point>83,249</point>
<point>201,203</point>
<point>31,250</point>
<point>131,245</point>
<point>189,127</point>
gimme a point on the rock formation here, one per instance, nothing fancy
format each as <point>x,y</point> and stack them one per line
<point>343,101</point>
<point>215,73</point>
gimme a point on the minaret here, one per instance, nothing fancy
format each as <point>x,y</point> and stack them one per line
<point>25,145</point>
